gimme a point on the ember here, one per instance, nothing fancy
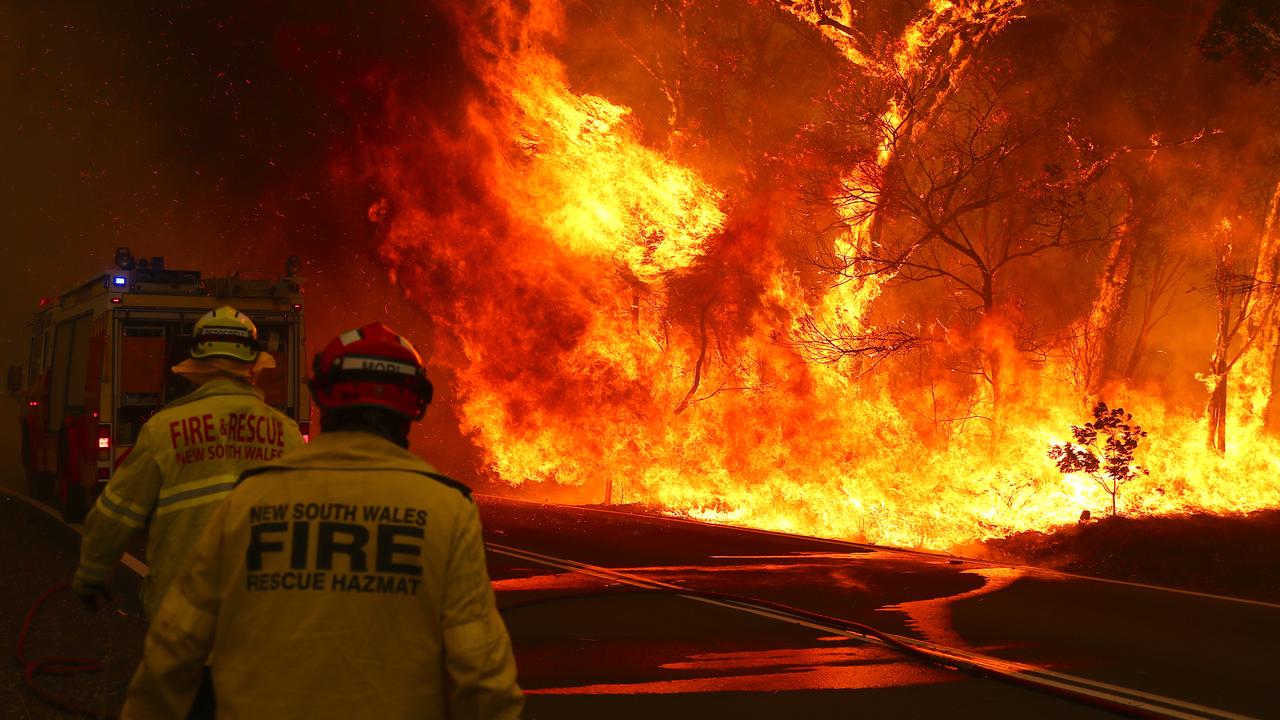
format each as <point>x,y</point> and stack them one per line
<point>847,271</point>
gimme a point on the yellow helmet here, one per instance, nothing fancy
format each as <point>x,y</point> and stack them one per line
<point>225,333</point>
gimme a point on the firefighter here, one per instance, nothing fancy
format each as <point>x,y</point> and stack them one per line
<point>186,459</point>
<point>347,579</point>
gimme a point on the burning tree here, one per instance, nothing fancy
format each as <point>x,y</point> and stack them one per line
<point>1132,252</point>
<point>989,182</point>
<point>604,243</point>
<point>1253,382</point>
<point>1248,31</point>
<point>1159,269</point>
<point>1103,450</point>
<point>1241,299</point>
<point>905,83</point>
<point>961,203</point>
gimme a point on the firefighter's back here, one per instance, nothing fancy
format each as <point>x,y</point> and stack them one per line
<point>186,460</point>
<point>333,584</point>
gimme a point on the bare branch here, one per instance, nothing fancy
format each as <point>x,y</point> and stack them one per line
<point>821,342</point>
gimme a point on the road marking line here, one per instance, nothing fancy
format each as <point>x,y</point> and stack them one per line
<point>1128,697</point>
<point>127,560</point>
<point>885,548</point>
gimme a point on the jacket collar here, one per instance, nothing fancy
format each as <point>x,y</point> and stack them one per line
<point>353,449</point>
<point>219,386</point>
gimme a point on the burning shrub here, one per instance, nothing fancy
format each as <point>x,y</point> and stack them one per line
<point>1103,450</point>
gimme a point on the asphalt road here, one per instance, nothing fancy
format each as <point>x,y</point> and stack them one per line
<point>609,618</point>
<point>1179,654</point>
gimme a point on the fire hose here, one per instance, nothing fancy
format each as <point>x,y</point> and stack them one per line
<point>55,665</point>
<point>908,650</point>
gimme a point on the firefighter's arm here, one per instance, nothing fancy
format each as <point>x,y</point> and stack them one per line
<point>181,636</point>
<point>123,508</point>
<point>477,650</point>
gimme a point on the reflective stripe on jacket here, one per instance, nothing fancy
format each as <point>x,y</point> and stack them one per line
<point>347,580</point>
<point>186,460</point>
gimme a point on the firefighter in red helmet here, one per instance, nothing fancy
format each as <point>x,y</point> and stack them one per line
<point>347,579</point>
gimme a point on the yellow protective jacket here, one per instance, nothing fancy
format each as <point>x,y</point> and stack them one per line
<point>347,580</point>
<point>185,461</point>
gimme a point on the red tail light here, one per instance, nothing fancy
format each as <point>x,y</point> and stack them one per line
<point>104,436</point>
<point>305,428</point>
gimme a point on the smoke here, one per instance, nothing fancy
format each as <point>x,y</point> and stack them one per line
<point>223,136</point>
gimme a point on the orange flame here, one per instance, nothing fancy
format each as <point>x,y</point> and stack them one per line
<point>584,359</point>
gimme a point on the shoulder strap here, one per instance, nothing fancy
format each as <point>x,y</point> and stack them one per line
<point>446,480</point>
<point>257,470</point>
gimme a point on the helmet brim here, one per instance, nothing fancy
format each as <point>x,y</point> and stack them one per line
<point>204,367</point>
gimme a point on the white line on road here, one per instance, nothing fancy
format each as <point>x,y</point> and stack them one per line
<point>1022,673</point>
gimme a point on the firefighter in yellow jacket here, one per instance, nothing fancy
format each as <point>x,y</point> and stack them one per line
<point>186,459</point>
<point>346,580</point>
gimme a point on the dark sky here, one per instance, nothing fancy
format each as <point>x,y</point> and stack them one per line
<point>221,135</point>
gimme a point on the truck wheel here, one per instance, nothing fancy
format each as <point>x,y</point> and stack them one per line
<point>72,503</point>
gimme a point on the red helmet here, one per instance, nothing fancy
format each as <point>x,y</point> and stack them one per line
<point>371,366</point>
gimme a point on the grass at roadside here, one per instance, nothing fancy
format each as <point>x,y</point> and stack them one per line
<point>1224,555</point>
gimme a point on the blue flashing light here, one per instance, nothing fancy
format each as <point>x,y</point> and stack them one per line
<point>119,280</point>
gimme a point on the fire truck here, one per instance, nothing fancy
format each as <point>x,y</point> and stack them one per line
<point>99,366</point>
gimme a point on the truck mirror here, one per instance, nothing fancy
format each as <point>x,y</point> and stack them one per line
<point>15,379</point>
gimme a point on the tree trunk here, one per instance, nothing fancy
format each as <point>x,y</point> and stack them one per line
<point>1216,410</point>
<point>1139,349</point>
<point>993,337</point>
<point>1100,334</point>
<point>1217,414</point>
<point>1252,379</point>
<point>702,358</point>
<point>1164,275</point>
